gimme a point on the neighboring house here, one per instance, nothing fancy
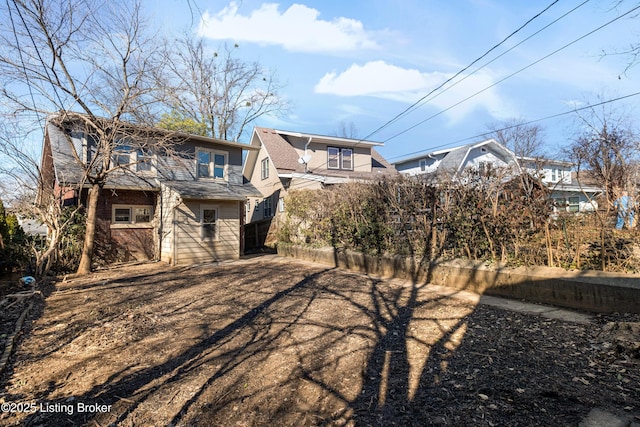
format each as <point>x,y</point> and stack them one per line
<point>292,160</point>
<point>181,208</point>
<point>568,193</point>
<point>452,162</point>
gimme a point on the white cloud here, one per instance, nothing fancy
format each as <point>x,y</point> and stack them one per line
<point>382,80</point>
<point>296,29</point>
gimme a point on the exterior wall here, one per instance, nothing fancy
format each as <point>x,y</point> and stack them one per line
<point>183,166</point>
<point>412,166</point>
<point>189,245</point>
<point>270,187</point>
<point>477,156</point>
<point>125,242</point>
<point>319,157</point>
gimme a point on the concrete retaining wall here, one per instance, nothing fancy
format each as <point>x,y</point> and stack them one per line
<point>594,291</point>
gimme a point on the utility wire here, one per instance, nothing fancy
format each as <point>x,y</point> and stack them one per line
<point>514,73</point>
<point>553,116</point>
<point>415,104</point>
<point>424,101</point>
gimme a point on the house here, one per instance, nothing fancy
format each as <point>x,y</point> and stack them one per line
<point>452,162</point>
<point>287,161</point>
<point>181,201</point>
<point>567,191</point>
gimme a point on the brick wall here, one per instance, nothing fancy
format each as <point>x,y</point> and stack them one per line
<point>123,244</point>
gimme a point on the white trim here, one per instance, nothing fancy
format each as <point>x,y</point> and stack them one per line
<point>212,158</point>
<point>132,215</point>
<point>216,236</point>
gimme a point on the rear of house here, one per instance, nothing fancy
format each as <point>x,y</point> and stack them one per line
<point>187,207</point>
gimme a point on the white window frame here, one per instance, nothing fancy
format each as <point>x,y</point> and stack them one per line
<point>212,163</point>
<point>216,223</point>
<point>281,204</point>
<point>143,158</point>
<point>132,215</point>
<point>264,168</point>
<point>338,158</point>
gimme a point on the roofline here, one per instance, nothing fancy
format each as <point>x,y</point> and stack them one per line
<point>171,133</point>
<point>354,142</point>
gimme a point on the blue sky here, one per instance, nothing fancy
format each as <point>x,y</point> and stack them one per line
<point>364,62</point>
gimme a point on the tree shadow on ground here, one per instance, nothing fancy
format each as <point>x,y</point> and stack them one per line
<point>292,344</point>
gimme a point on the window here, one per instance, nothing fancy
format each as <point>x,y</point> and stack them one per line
<point>265,168</point>
<point>347,158</point>
<point>144,161</point>
<point>339,158</point>
<point>124,214</point>
<point>121,156</point>
<point>334,158</point>
<point>267,208</point>
<point>423,165</point>
<point>574,204</point>
<point>281,204</point>
<point>248,205</point>
<point>211,164</point>
<point>208,223</point>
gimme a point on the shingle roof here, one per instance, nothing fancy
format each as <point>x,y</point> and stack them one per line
<point>285,158</point>
<point>206,190</point>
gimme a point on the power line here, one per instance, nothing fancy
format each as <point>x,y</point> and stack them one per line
<point>502,54</point>
<point>514,73</point>
<point>415,104</point>
<point>553,116</point>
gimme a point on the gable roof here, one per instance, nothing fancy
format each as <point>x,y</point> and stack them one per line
<point>454,159</point>
<point>285,158</point>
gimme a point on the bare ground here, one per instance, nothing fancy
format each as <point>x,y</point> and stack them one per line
<point>269,341</point>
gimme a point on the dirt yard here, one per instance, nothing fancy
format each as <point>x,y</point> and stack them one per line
<point>268,341</point>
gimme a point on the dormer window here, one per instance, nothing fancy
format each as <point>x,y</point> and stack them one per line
<point>339,158</point>
<point>211,164</point>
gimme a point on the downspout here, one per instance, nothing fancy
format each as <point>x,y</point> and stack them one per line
<point>305,154</point>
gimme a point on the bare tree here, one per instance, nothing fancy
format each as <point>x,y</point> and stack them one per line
<point>606,146</point>
<point>93,57</point>
<point>525,140</point>
<point>217,91</point>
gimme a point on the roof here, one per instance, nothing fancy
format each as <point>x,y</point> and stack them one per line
<point>455,157</point>
<point>207,190</point>
<point>285,159</point>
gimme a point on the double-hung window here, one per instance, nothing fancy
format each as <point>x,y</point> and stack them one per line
<point>339,158</point>
<point>265,168</point>
<point>211,164</point>
<point>209,222</point>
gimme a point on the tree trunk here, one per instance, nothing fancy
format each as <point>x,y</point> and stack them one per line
<point>89,238</point>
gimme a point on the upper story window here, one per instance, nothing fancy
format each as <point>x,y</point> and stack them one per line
<point>211,164</point>
<point>339,158</point>
<point>121,156</point>
<point>423,165</point>
<point>265,168</point>
<point>144,161</point>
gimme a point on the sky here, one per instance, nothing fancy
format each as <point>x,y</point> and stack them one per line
<point>360,63</point>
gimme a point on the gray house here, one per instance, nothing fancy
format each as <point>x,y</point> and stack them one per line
<point>568,193</point>
<point>181,208</point>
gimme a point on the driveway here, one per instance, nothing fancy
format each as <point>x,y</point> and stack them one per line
<point>273,341</point>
